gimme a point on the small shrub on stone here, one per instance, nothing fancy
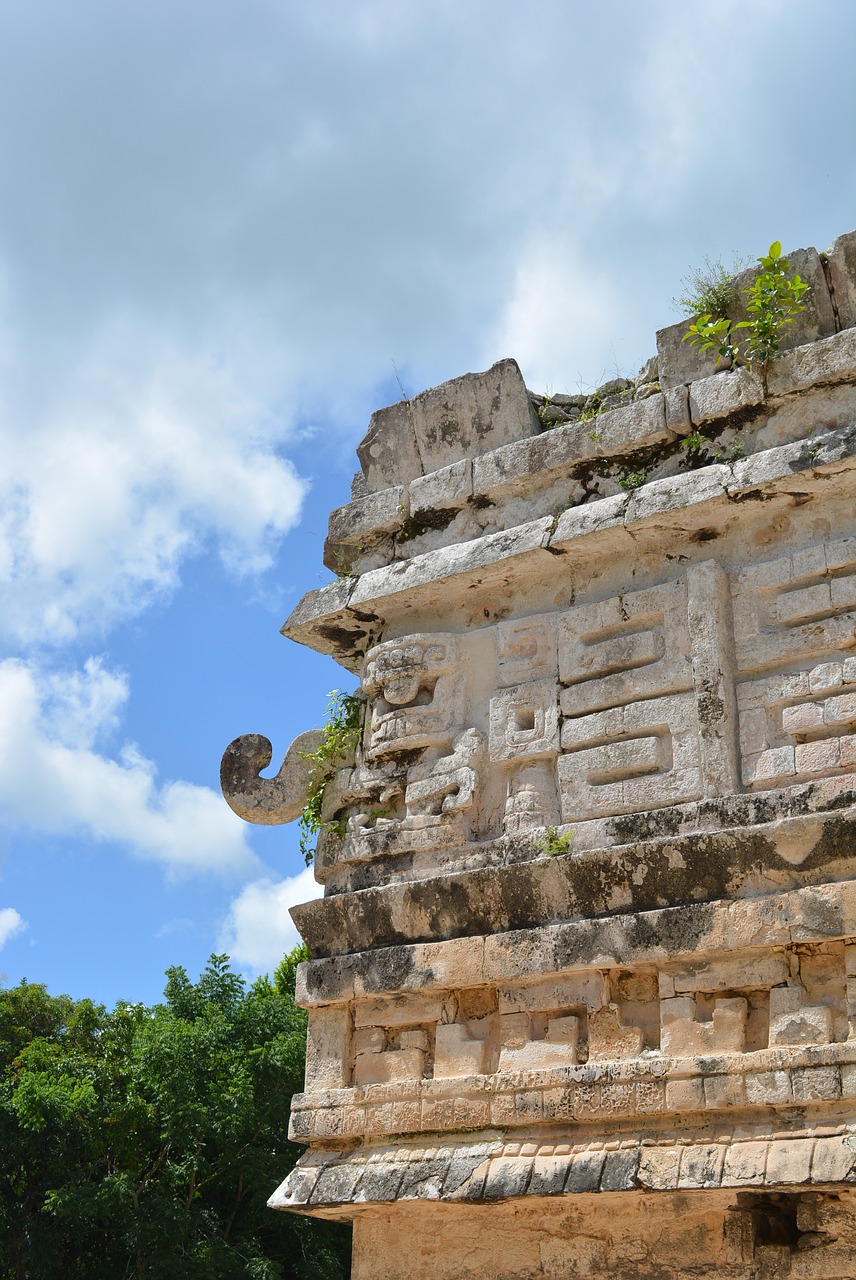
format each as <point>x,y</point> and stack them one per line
<point>342,731</point>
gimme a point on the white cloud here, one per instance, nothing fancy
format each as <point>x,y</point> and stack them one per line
<point>259,930</point>
<point>52,779</point>
<point>143,460</point>
<point>10,924</point>
<point>558,319</point>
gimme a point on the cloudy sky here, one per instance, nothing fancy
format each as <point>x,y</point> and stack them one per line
<point>223,226</point>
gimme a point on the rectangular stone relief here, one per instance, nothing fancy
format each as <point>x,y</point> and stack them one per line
<point>798,726</point>
<point>633,646</point>
<point>796,607</point>
<point>640,756</point>
<point>524,721</point>
<point>526,649</point>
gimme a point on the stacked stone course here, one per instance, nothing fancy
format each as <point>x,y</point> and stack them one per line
<point>582,995</point>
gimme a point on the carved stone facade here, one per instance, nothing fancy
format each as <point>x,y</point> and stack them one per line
<point>582,999</point>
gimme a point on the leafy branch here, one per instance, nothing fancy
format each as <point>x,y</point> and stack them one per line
<point>773,299</point>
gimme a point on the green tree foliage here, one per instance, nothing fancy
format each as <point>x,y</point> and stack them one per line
<point>146,1141</point>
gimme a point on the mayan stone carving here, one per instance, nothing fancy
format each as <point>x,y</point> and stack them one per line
<point>582,995</point>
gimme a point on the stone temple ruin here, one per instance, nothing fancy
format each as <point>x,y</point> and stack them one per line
<point>582,1000</point>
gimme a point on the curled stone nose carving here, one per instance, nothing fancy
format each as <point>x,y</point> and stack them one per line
<point>267,801</point>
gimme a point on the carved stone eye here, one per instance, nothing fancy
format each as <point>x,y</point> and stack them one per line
<point>401,689</point>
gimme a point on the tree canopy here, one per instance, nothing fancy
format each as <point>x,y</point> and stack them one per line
<point>145,1141</point>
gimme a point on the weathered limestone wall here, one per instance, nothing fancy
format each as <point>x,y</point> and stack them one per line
<point>583,991</point>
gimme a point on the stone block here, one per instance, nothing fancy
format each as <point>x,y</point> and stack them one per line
<point>472,1113</point>
<point>541,1055</point>
<point>789,1160</point>
<point>609,1039</point>
<point>677,405</point>
<point>459,419</point>
<point>388,453</point>
<point>834,1159</point>
<point>724,1091</point>
<point>514,1029</point>
<point>658,1168</point>
<point>385,1068</point>
<point>650,1096</point>
<point>380,1183</point>
<point>817,757</point>
<point>794,1021</point>
<point>526,650</point>
<point>548,1175</point>
<point>718,974</point>
<point>712,399</point>
<point>584,1173</point>
<point>679,362</point>
<point>821,1084</point>
<point>368,1039</point>
<point>381,512</point>
<point>701,1166</point>
<point>524,721</point>
<point>438,1114</point>
<point>744,1164</point>
<point>684,1037</point>
<point>685,1095</point>
<point>841,267</point>
<point>824,363</point>
<point>338,1183</point>
<point>563,1030</point>
<point>625,649</point>
<point>768,1088</point>
<point>507,1177</point>
<point>446,490</point>
<point>379,1119</point>
<point>552,991</point>
<point>632,426</point>
<point>328,1064</point>
<point>602,774</point>
<point>417,1039</point>
<point>398,1011</point>
<point>619,1170</point>
<point>457,1053</point>
<point>840,710</point>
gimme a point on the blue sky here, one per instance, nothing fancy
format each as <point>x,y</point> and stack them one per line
<point>220,224</point>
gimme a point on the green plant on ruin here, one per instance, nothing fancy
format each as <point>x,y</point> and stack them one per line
<point>735,451</point>
<point>594,410</point>
<point>344,564</point>
<point>694,442</point>
<point>553,845</point>
<point>342,730</point>
<point>774,299</point>
<point>632,480</point>
<point>710,290</point>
